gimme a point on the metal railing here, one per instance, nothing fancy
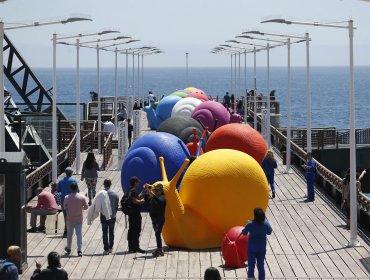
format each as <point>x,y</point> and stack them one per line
<point>42,175</point>
<point>328,136</point>
<point>326,176</point>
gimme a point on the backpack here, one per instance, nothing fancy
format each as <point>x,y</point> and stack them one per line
<point>126,203</point>
<point>3,265</point>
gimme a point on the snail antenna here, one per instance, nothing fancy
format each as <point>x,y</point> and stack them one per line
<point>216,121</point>
<point>175,178</point>
<point>164,174</point>
<point>201,141</point>
<point>201,123</point>
<point>194,136</point>
<point>184,148</point>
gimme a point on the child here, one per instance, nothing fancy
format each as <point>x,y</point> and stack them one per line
<point>268,165</point>
<point>257,229</point>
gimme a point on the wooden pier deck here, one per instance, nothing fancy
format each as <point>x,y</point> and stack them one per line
<point>308,242</point>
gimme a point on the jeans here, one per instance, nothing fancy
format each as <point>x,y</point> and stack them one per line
<point>260,256</point>
<point>108,233</point>
<point>134,229</point>
<point>270,180</point>
<point>310,187</point>
<point>158,226</point>
<point>77,226</point>
<point>42,213</point>
<point>91,187</point>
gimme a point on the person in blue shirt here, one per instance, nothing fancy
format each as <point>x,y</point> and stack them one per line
<point>310,168</point>
<point>268,165</point>
<point>257,229</point>
<point>64,187</point>
<point>8,269</point>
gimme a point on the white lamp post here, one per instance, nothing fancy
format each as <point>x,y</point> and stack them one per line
<point>54,106</point>
<point>348,25</point>
<point>187,68</point>
<point>78,89</point>
<point>300,39</point>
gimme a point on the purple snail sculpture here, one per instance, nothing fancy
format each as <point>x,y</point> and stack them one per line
<point>211,114</point>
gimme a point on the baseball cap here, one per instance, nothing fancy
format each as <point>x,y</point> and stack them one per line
<point>68,170</point>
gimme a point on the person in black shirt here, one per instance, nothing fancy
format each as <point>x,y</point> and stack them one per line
<point>134,218</point>
<point>53,271</point>
<point>157,208</point>
<point>130,130</point>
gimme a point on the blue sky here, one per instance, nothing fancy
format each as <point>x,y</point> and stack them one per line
<point>194,26</point>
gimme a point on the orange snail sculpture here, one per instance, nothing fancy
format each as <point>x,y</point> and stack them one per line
<point>219,190</point>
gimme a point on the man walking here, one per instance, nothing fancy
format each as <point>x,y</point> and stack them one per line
<point>46,205</point>
<point>108,223</point>
<point>74,204</point>
<point>65,189</point>
<point>134,218</point>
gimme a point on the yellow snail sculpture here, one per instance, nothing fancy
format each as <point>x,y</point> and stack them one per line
<point>219,190</point>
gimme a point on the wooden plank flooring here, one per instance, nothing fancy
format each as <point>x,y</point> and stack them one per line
<point>308,242</point>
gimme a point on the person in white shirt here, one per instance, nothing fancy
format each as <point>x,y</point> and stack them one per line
<point>109,127</point>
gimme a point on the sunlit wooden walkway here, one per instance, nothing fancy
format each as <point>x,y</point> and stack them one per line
<point>308,242</point>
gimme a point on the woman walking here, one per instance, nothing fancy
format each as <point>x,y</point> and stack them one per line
<point>89,172</point>
<point>258,229</point>
<point>268,165</point>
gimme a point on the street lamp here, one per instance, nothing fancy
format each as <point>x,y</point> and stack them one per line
<point>54,128</point>
<point>288,43</point>
<point>345,25</point>
<point>300,39</point>
<point>187,68</point>
<point>78,114</point>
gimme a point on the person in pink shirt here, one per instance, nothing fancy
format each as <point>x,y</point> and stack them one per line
<point>74,204</point>
<point>46,205</point>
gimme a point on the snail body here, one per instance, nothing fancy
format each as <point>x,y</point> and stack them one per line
<point>219,190</point>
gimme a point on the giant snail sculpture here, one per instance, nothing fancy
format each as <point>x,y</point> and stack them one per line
<point>219,190</point>
<point>241,137</point>
<point>210,111</point>
<point>181,127</point>
<point>162,112</point>
<point>142,158</point>
<point>185,107</point>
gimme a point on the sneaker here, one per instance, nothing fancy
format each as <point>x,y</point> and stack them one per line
<point>158,253</point>
<point>32,229</point>
<point>106,252</point>
<point>67,251</point>
<point>139,250</point>
<point>273,194</point>
<point>41,228</point>
<point>110,251</point>
<point>79,253</point>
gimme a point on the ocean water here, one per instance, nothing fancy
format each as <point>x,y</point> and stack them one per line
<point>329,88</point>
